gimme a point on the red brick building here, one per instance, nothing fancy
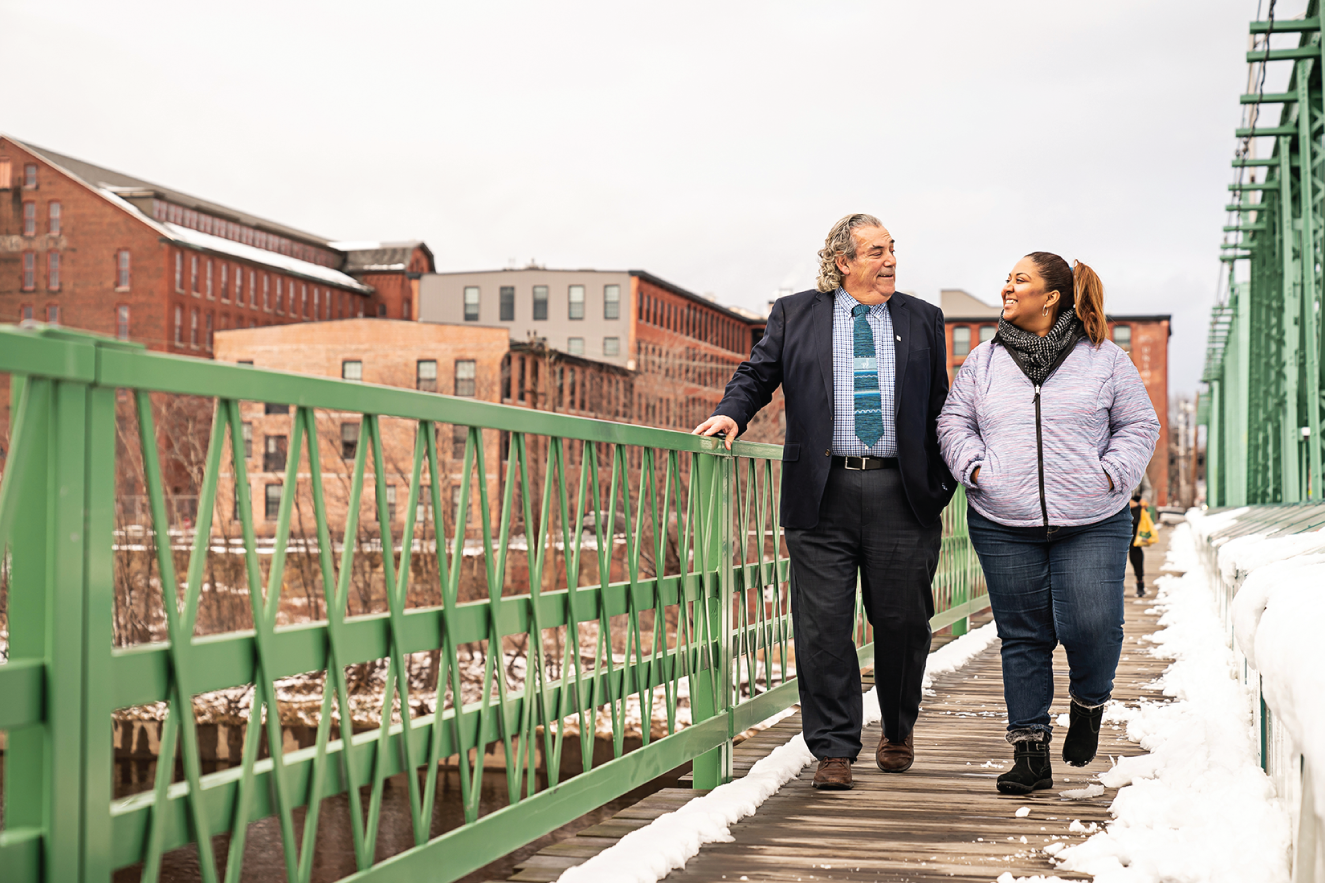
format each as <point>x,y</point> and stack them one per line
<point>95,249</point>
<point>682,347</point>
<point>453,360</point>
<point>970,322</point>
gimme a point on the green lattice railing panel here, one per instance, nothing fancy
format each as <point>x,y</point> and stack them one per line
<point>580,579</point>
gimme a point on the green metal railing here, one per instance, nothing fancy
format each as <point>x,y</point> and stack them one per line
<point>652,568</point>
<point>1263,411</point>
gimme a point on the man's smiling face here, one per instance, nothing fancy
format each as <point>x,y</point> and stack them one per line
<point>871,276</point>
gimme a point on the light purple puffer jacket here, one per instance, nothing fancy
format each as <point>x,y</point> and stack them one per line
<point>1095,416</point>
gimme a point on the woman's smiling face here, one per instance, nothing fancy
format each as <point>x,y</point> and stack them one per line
<point>1024,297</point>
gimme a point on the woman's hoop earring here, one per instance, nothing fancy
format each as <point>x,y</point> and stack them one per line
<point>1045,311</point>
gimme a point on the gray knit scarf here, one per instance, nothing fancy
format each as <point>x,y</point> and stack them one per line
<point>1037,353</point>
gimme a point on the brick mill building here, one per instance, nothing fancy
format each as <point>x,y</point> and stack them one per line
<point>91,248</point>
<point>454,360</point>
<point>681,346</point>
<point>95,249</point>
<point>970,322</point>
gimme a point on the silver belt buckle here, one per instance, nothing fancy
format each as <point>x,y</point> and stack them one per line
<point>860,467</point>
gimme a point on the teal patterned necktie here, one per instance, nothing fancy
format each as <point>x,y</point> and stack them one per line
<point>865,366</point>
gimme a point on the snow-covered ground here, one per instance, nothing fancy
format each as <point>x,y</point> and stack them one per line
<point>1198,807</point>
<point>648,854</point>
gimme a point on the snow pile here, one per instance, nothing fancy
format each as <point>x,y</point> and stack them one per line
<point>1198,807</point>
<point>954,655</point>
<point>1277,614</point>
<point>648,854</point>
<point>669,841</point>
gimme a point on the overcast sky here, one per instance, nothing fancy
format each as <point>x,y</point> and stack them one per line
<point>712,144</point>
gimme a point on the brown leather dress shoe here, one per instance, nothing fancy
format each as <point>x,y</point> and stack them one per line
<point>896,757</point>
<point>834,774</point>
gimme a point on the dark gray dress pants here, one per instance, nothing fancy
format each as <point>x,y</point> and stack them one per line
<point>866,529</point>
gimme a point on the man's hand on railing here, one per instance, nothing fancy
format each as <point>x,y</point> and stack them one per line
<point>712,426</point>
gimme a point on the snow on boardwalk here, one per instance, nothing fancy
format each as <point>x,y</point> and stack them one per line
<point>942,820</point>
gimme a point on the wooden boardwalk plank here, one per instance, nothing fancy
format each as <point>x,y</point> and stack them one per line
<point>941,821</point>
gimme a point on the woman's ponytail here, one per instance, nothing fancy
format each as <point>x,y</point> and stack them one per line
<point>1088,294</point>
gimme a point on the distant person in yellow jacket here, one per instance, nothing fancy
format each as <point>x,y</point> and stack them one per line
<point>1137,554</point>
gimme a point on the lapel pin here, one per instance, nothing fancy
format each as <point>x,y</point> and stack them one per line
<point>898,336</point>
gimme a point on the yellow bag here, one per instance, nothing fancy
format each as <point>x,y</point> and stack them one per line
<point>1145,530</point>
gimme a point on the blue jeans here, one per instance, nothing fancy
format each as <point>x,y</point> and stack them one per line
<point>1050,586</point>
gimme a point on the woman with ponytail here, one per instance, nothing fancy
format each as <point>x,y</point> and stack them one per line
<point>1049,428</point>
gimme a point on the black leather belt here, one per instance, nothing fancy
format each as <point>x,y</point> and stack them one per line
<point>859,463</point>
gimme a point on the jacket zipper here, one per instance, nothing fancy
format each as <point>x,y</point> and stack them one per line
<point>1039,432</point>
<point>1039,452</point>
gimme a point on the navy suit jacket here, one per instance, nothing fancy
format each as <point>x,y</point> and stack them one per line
<point>797,352</point>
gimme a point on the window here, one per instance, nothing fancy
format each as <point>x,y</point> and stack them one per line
<point>122,322</point>
<point>209,321</point>
<point>390,505</point>
<point>122,269</point>
<point>6,175</point>
<point>576,298</point>
<point>455,506</point>
<point>961,340</point>
<point>52,271</point>
<point>611,301</point>
<point>210,294</point>
<point>987,332</point>
<point>53,218</point>
<point>575,346</point>
<point>253,289</point>
<point>381,311</point>
<point>29,219</point>
<point>179,271</point>
<point>273,502</point>
<point>225,283</point>
<point>274,408</point>
<point>193,328</point>
<point>423,509</point>
<point>29,271</point>
<point>179,326</point>
<point>303,299</point>
<point>239,287</point>
<point>315,302</point>
<point>351,369</point>
<point>459,438</point>
<point>349,440</point>
<point>25,313</point>
<point>425,375</point>
<point>464,377</point>
<point>540,302</point>
<point>193,274</point>
<point>471,303</point>
<point>266,292</point>
<point>53,314</point>
<point>30,176</point>
<point>280,298</point>
<point>247,432</point>
<point>611,346</point>
<point>1122,335</point>
<point>273,453</point>
<point>507,303</point>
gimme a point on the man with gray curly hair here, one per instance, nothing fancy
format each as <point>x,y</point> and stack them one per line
<point>864,372</point>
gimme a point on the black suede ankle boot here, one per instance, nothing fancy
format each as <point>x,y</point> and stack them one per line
<point>1083,734</point>
<point>1030,770</point>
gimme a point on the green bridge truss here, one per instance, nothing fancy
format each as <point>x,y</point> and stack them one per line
<point>1263,365</point>
<point>660,549</point>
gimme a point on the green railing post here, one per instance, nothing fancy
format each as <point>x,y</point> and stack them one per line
<point>961,545</point>
<point>709,687</point>
<point>46,766</point>
<point>27,796</point>
<point>98,603</point>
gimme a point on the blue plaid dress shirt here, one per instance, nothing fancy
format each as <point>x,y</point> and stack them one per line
<point>845,443</point>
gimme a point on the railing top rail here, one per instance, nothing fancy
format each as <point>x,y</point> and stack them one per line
<point>71,355</point>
